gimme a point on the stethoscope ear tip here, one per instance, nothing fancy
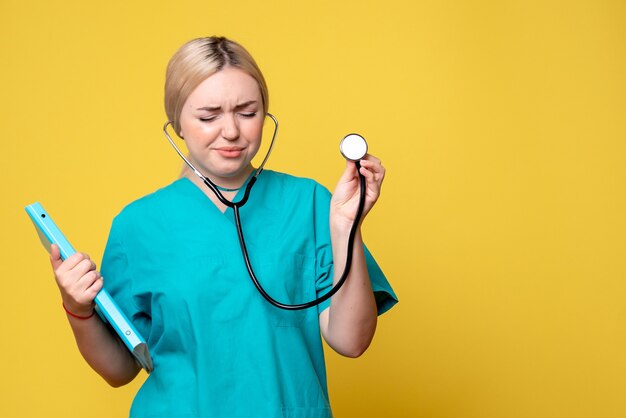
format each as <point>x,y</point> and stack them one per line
<point>353,147</point>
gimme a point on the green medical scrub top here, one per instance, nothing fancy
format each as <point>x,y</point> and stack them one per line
<point>173,263</point>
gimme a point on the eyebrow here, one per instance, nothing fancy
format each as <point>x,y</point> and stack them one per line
<point>237,107</point>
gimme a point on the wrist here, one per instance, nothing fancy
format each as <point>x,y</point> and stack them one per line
<point>340,231</point>
<point>340,222</point>
<point>79,313</point>
<point>340,228</point>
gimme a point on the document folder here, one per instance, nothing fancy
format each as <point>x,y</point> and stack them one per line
<point>106,307</point>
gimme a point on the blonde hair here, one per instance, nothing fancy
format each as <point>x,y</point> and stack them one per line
<point>197,60</point>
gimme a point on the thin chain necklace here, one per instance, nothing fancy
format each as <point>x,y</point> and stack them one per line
<point>236,189</point>
<point>225,189</point>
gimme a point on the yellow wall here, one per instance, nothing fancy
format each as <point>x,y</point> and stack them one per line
<point>503,128</point>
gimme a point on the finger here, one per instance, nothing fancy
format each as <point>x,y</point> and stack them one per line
<point>55,257</point>
<point>377,169</point>
<point>374,180</point>
<point>85,266</point>
<point>370,157</point>
<point>95,287</point>
<point>72,261</point>
<point>349,173</point>
<point>372,183</point>
<point>373,165</point>
<point>88,279</point>
<point>81,284</point>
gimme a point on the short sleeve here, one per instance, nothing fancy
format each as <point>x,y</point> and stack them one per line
<point>324,267</point>
<point>118,281</point>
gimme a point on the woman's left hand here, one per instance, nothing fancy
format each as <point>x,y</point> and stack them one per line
<point>345,200</point>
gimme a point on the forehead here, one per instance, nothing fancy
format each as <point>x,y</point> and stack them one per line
<point>227,86</point>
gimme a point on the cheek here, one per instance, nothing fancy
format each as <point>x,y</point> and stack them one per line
<point>198,131</point>
<point>254,132</point>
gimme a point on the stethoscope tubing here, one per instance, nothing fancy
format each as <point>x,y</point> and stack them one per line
<point>346,270</point>
<point>240,234</point>
<point>208,181</point>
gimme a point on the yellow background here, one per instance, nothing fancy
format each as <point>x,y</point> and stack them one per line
<point>503,128</point>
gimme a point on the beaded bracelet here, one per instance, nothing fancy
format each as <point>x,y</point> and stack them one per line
<point>73,315</point>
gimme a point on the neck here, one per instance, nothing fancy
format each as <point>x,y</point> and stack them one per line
<point>224,184</point>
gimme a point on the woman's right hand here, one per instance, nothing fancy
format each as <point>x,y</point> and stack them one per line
<point>78,281</point>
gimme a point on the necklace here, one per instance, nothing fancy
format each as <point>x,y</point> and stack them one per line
<point>236,189</point>
<point>226,189</point>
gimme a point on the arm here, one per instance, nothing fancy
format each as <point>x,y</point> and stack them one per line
<point>79,283</point>
<point>349,324</point>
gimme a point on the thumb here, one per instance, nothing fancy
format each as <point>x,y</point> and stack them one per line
<point>55,256</point>
<point>349,173</point>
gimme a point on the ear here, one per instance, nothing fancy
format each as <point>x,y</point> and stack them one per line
<point>181,135</point>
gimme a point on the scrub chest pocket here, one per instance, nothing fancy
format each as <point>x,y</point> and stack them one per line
<point>290,280</point>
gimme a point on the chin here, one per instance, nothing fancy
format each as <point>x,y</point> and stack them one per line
<point>229,172</point>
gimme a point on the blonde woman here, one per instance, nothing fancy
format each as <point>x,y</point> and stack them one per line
<point>173,263</point>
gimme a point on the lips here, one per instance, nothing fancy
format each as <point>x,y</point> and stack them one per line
<point>229,152</point>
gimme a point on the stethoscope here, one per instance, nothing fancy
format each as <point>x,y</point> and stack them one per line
<point>353,147</point>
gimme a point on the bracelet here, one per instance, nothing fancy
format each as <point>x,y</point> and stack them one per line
<point>73,315</point>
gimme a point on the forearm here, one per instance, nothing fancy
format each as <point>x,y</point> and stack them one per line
<point>103,351</point>
<point>350,322</point>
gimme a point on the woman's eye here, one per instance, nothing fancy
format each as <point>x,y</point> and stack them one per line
<point>248,114</point>
<point>207,118</point>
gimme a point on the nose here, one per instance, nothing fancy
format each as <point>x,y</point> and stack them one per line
<point>230,128</point>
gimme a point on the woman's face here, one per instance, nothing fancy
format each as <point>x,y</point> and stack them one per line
<point>222,123</point>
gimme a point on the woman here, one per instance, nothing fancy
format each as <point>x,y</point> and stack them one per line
<point>174,265</point>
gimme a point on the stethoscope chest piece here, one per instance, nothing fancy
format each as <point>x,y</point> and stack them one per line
<point>353,147</point>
